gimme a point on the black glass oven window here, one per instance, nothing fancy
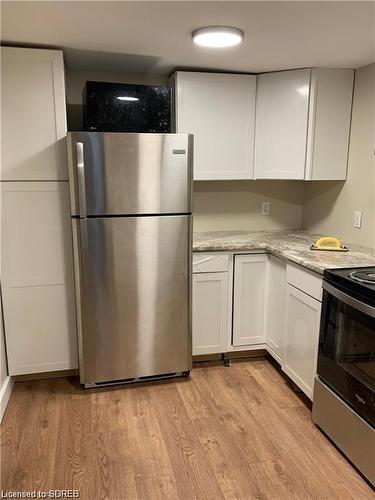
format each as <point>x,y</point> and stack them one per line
<point>346,360</point>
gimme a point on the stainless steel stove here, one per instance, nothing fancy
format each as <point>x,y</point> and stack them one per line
<point>344,392</point>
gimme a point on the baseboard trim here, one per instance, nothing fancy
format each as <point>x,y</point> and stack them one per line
<point>5,392</point>
<point>251,353</point>
<point>28,377</point>
<point>221,356</point>
<point>197,358</point>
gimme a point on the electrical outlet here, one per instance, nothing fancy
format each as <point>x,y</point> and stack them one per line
<point>357,218</point>
<point>266,207</point>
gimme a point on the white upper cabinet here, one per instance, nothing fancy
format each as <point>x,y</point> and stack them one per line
<point>303,124</point>
<point>33,115</point>
<point>219,109</point>
<point>281,124</point>
<point>329,124</point>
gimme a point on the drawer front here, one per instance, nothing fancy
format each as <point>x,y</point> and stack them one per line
<point>305,280</point>
<point>210,262</point>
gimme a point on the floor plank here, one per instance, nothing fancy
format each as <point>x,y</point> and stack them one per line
<point>225,433</point>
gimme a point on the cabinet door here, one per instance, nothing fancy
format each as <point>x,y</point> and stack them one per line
<point>37,280</point>
<point>300,338</point>
<point>274,309</point>
<point>329,123</point>
<point>219,109</point>
<point>210,313</point>
<point>33,114</point>
<point>281,124</point>
<point>248,299</point>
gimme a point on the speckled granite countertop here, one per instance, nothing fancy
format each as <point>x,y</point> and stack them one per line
<point>290,245</point>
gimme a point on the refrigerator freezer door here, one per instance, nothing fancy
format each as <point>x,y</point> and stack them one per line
<point>133,294</point>
<point>124,174</point>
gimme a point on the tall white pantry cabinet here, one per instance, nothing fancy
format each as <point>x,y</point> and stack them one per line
<point>37,277</point>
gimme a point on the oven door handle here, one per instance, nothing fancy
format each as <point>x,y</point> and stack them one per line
<point>348,300</point>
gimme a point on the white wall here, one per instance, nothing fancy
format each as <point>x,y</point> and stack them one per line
<point>233,205</point>
<point>328,207</point>
<point>6,383</point>
<point>3,365</point>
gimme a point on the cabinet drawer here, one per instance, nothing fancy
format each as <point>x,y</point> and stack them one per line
<point>305,280</point>
<point>210,262</point>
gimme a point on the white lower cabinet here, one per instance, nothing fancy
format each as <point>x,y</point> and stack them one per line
<point>274,306</point>
<point>264,307</point>
<point>210,313</point>
<point>37,277</point>
<point>301,338</point>
<point>248,299</point>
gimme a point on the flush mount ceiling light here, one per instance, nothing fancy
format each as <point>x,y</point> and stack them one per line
<point>217,36</point>
<point>127,98</point>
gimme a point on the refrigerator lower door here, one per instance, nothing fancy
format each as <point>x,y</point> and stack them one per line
<point>133,294</point>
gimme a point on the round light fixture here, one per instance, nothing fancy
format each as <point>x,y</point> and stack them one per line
<point>217,36</point>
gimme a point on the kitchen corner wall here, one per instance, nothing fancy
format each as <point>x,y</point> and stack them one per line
<point>328,207</point>
<point>324,207</point>
<point>237,205</point>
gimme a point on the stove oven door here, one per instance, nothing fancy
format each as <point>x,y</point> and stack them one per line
<point>346,359</point>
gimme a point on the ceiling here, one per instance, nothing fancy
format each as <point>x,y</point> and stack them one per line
<point>155,37</point>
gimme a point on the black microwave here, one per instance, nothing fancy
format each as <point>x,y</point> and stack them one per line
<point>119,107</point>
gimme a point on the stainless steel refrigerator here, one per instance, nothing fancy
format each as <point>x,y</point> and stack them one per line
<point>132,235</point>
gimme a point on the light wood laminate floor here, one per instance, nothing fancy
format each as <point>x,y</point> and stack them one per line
<point>225,433</point>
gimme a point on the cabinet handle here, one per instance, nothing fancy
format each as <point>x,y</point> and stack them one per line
<point>81,179</point>
<point>201,261</point>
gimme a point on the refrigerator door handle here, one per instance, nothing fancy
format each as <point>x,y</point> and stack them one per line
<point>84,252</point>
<point>81,179</point>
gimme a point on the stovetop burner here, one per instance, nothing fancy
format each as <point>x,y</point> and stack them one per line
<point>363,276</point>
<point>358,282</point>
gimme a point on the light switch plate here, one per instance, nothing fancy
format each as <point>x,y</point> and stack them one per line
<point>357,218</point>
<point>266,207</point>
